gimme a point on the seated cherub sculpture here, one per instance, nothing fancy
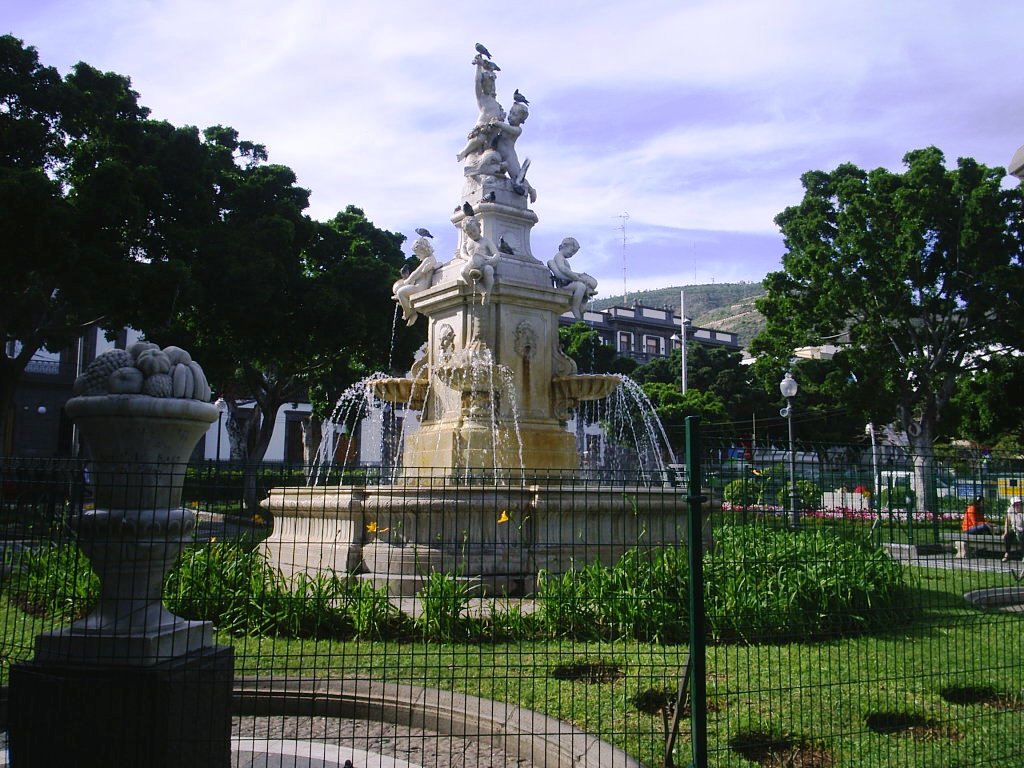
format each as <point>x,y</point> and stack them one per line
<point>582,285</point>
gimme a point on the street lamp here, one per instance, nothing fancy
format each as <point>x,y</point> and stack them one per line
<point>682,359</point>
<point>789,387</point>
<point>221,407</point>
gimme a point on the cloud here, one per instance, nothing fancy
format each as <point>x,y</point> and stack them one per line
<point>696,118</point>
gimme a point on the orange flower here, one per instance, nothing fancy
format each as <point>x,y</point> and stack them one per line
<point>503,517</point>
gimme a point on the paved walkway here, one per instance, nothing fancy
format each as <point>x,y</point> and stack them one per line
<point>320,742</point>
<point>325,742</point>
<point>907,553</point>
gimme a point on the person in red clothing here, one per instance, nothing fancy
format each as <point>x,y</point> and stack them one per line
<point>974,518</point>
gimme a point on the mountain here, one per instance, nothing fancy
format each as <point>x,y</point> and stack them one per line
<point>722,306</point>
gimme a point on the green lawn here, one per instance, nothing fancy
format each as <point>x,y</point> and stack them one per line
<point>821,697</point>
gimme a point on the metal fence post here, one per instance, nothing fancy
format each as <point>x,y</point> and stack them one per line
<point>695,553</point>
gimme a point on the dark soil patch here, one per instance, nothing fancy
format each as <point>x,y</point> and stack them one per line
<point>982,695</point>
<point>780,751</point>
<point>656,701</point>
<point>912,724</point>
<point>588,671</point>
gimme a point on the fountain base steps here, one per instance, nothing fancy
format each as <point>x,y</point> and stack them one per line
<point>499,537</point>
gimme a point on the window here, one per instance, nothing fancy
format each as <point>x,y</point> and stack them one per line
<point>625,341</point>
<point>652,345</point>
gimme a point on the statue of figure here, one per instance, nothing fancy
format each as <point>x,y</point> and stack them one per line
<point>582,285</point>
<point>490,147</point>
<point>417,280</point>
<point>481,257</point>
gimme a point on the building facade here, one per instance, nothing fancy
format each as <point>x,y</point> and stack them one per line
<point>645,333</point>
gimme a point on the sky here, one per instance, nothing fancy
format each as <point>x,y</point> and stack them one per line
<point>665,135</point>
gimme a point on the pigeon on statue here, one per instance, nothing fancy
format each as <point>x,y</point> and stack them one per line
<point>482,51</point>
<point>519,98</point>
<point>423,232</point>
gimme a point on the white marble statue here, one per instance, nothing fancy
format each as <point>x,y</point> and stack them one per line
<point>490,147</point>
<point>416,281</point>
<point>481,257</point>
<point>582,285</point>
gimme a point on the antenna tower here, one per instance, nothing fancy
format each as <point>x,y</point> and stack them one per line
<point>623,218</point>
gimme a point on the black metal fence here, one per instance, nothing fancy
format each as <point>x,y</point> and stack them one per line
<point>847,619</point>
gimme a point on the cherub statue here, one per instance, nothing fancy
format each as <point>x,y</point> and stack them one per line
<point>481,257</point>
<point>417,280</point>
<point>582,285</point>
<point>490,147</point>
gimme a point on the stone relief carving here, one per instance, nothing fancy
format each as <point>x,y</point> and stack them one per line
<point>445,342</point>
<point>525,343</point>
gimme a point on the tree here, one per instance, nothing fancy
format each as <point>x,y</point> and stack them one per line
<point>921,269</point>
<point>92,193</point>
<point>592,355</point>
<point>720,388</point>
<point>276,304</point>
<point>982,411</point>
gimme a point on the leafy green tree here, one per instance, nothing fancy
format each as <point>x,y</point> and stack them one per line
<point>588,349</point>
<point>720,388</point>
<point>93,196</point>
<point>922,270</point>
<point>984,410</point>
<point>278,305</point>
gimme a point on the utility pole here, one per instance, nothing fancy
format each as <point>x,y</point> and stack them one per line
<point>682,335</point>
<point>625,296</point>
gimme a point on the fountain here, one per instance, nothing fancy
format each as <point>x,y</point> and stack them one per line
<point>483,485</point>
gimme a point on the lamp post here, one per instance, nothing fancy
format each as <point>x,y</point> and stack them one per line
<point>682,362</point>
<point>221,407</point>
<point>789,387</point>
<point>682,343</point>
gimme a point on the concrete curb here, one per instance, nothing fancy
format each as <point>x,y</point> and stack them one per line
<point>996,598</point>
<point>526,734</point>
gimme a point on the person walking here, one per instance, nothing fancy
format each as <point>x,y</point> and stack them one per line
<point>1013,528</point>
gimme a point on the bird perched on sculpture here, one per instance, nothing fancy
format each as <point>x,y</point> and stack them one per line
<point>468,209</point>
<point>423,232</point>
<point>505,247</point>
<point>518,98</point>
<point>482,51</point>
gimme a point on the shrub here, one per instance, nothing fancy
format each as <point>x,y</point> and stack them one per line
<point>54,580</point>
<point>760,586</point>
<point>769,586</point>
<point>898,497</point>
<point>742,492</point>
<point>808,495</point>
<point>444,599</point>
<point>236,587</point>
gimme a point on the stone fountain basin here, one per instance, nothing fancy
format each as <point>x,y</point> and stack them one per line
<point>501,536</point>
<point>402,391</point>
<point>585,386</point>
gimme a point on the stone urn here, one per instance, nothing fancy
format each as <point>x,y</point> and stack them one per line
<point>138,448</point>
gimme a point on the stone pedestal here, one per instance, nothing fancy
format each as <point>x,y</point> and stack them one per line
<point>131,684</point>
<point>170,714</point>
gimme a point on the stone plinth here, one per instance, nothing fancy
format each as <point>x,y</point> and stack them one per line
<point>171,714</point>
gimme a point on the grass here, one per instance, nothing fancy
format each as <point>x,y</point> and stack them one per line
<point>878,698</point>
<point>821,693</point>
